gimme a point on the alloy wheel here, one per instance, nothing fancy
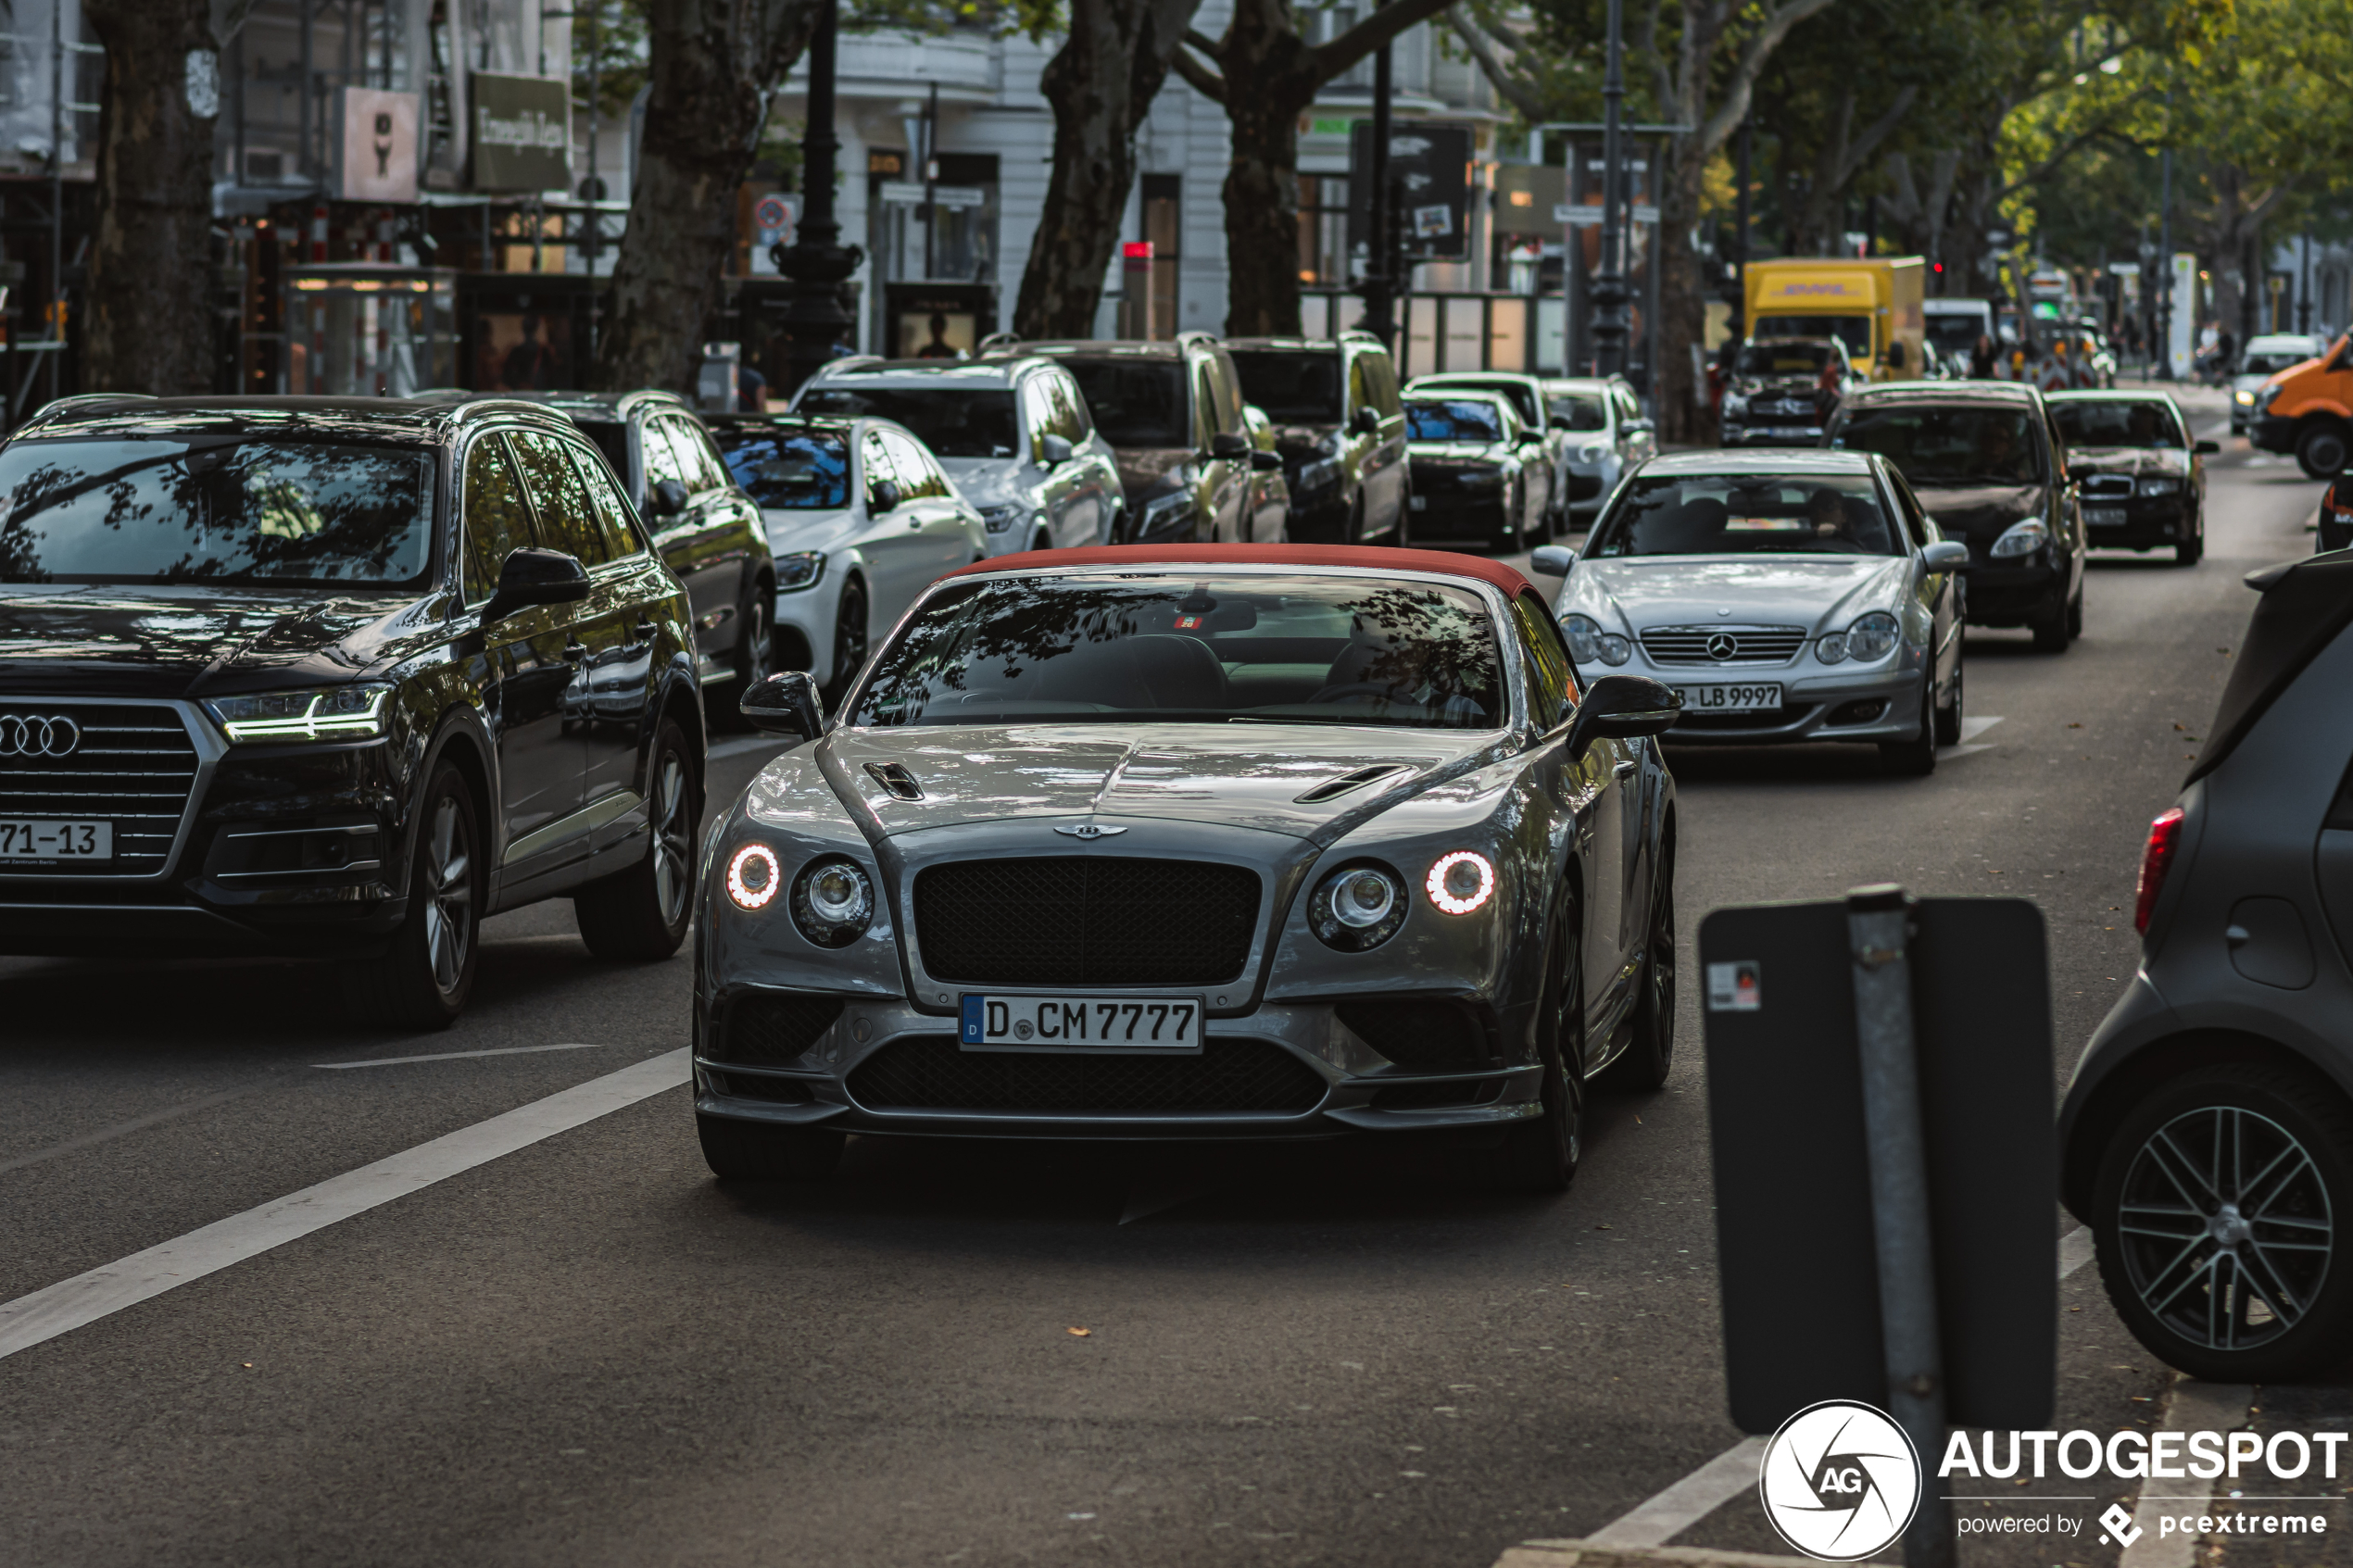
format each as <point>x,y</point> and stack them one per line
<point>2225,1227</point>
<point>449,896</point>
<point>759,641</point>
<point>673,836</point>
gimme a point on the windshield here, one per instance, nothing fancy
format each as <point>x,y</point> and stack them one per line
<point>1523,401</point>
<point>1136,402</point>
<point>1581,412</point>
<point>1947,446</point>
<point>168,509</point>
<point>1732,514</point>
<point>1783,359</point>
<point>1452,419</point>
<point>2119,424</point>
<point>2270,362</point>
<point>1855,331</point>
<point>1291,385</point>
<point>1290,650</point>
<point>612,439</point>
<point>954,421</point>
<point>788,470</point>
<point>1955,334</point>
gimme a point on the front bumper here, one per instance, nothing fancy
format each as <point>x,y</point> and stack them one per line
<point>2270,432</point>
<point>1817,704</point>
<point>1476,518</point>
<point>805,619</point>
<point>2157,520</point>
<point>1789,434</point>
<point>2013,596</point>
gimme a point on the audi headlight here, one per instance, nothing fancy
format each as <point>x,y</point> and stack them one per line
<point>2020,539</point>
<point>344,713</point>
<point>800,569</point>
<point>999,517</point>
<point>2157,484</point>
<point>1357,908</point>
<point>832,901</point>
<point>1461,882</point>
<point>1588,644</point>
<point>1872,636</point>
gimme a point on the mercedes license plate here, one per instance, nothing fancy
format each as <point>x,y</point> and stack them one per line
<point>1000,1022</point>
<point>1757,696</point>
<point>32,838</point>
<point>2103,517</point>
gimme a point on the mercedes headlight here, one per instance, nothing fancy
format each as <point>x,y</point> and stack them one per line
<point>1357,908</point>
<point>800,569</point>
<point>832,901</point>
<point>1735,404</point>
<point>2020,539</point>
<point>1872,636</point>
<point>2245,396</point>
<point>2157,484</point>
<point>999,517</point>
<point>1588,644</point>
<point>343,713</point>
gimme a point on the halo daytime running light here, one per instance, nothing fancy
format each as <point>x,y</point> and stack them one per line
<point>754,876</point>
<point>1461,882</point>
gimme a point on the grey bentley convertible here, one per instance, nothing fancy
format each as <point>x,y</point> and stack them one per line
<point>1194,841</point>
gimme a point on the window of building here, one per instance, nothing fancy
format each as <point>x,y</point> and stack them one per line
<point>1323,230</point>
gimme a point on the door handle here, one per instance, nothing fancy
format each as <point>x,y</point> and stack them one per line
<point>915,523</point>
<point>574,651</point>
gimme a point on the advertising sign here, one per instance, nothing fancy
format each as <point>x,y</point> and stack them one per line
<point>375,144</point>
<point>522,132</point>
<point>1429,170</point>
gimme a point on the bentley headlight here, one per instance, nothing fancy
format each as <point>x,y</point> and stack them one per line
<point>753,876</point>
<point>1872,636</point>
<point>832,901</point>
<point>1588,644</point>
<point>342,713</point>
<point>1357,908</point>
<point>1461,880</point>
<point>800,569</point>
<point>2020,539</point>
<point>999,517</point>
<point>2157,484</point>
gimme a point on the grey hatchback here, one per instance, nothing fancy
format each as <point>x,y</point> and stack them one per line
<point>2207,1135</point>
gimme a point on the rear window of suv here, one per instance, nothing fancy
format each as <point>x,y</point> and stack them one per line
<point>1294,384</point>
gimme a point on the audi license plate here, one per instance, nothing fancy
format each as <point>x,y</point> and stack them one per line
<point>23,838</point>
<point>998,1023</point>
<point>2103,517</point>
<point>1761,697</point>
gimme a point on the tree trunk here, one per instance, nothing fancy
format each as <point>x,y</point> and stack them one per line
<point>1101,85</point>
<point>711,66</point>
<point>1683,415</point>
<point>148,326</point>
<point>1269,80</point>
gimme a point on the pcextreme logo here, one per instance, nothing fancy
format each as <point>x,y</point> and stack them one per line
<point>1840,1481</point>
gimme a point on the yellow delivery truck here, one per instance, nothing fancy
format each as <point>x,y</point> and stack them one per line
<point>1872,304</point>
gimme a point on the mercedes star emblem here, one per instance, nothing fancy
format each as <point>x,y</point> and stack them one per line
<point>1722,647</point>
<point>1086,830</point>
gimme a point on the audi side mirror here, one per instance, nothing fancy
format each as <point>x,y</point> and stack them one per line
<point>668,498</point>
<point>1553,560</point>
<point>1231,445</point>
<point>883,498</point>
<point>1621,707</point>
<point>536,576</point>
<point>1053,450</point>
<point>1266,462</point>
<point>785,704</point>
<point>1946,555</point>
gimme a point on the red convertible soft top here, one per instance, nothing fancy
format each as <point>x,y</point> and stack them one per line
<point>1380,558</point>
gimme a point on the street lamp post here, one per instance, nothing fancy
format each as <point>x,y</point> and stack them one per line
<point>817,262</point>
<point>1609,294</point>
<point>1379,287</point>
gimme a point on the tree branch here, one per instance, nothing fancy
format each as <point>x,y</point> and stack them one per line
<point>1209,47</point>
<point>1513,89</point>
<point>1327,60</point>
<point>1199,77</point>
<point>1754,54</point>
<point>2069,147</point>
<point>1859,152</point>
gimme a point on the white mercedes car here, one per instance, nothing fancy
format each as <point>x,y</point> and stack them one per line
<point>1787,596</point>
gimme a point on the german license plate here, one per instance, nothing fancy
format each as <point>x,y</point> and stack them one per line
<point>34,838</point>
<point>2103,517</point>
<point>998,1023</point>
<point>1794,433</point>
<point>1757,696</point>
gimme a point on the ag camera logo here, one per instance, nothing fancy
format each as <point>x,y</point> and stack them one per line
<point>1840,1481</point>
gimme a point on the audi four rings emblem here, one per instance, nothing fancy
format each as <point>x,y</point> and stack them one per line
<point>31,735</point>
<point>1721,646</point>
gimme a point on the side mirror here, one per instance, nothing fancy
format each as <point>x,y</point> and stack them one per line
<point>1638,427</point>
<point>883,498</point>
<point>1366,420</point>
<point>1053,450</point>
<point>1621,707</point>
<point>1560,421</point>
<point>785,704</point>
<point>2208,448</point>
<point>668,499</point>
<point>534,576</point>
<point>1266,462</point>
<point>1553,560</point>
<point>1230,445</point>
<point>1946,555</point>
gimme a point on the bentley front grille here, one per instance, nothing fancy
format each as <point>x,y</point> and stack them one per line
<point>1086,919</point>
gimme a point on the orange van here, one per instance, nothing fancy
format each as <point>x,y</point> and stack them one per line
<point>2308,409</point>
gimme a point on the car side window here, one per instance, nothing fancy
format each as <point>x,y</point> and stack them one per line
<point>918,474</point>
<point>875,459</point>
<point>662,459</point>
<point>698,455</point>
<point>1038,413</point>
<point>1071,417</point>
<point>498,517</point>
<point>1360,385</point>
<point>1551,680</point>
<point>567,517</point>
<point>613,521</point>
<point>1382,372</point>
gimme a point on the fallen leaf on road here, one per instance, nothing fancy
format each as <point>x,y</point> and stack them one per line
<point>1601,1227</point>
<point>1081,1333</point>
<point>2077,726</point>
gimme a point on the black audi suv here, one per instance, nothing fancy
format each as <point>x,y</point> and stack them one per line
<point>336,678</point>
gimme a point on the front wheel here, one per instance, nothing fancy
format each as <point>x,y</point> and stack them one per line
<point>2322,449</point>
<point>2050,630</point>
<point>1915,758</point>
<point>1648,1059</point>
<point>423,977</point>
<point>2191,547</point>
<point>1948,719</point>
<point>1540,1154</point>
<point>641,914</point>
<point>2219,1203</point>
<point>753,1151</point>
<point>849,639</point>
<point>754,658</point>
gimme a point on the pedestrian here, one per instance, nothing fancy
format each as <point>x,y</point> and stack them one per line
<point>1981,358</point>
<point>752,389</point>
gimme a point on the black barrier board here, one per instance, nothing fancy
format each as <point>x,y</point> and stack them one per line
<point>1797,1263</point>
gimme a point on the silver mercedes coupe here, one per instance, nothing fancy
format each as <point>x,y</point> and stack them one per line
<point>1196,841</point>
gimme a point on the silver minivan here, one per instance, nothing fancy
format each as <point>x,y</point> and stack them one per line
<point>2207,1135</point>
<point>1013,434</point>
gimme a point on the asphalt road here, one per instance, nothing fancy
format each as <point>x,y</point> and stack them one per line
<point>586,1352</point>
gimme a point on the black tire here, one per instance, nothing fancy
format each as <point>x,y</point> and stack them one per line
<point>1915,758</point>
<point>2191,547</point>
<point>1948,718</point>
<point>1650,1056</point>
<point>641,914</point>
<point>422,978</point>
<point>849,639</point>
<point>2322,449</point>
<point>1041,540</point>
<point>754,1151</point>
<point>2283,1313</point>
<point>1540,1154</point>
<point>2075,614</point>
<point>2050,630</point>
<point>754,659</point>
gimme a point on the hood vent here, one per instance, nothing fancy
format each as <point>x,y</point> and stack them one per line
<point>894,777</point>
<point>1332,789</point>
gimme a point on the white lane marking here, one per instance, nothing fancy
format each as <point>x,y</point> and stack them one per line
<point>1724,1477</point>
<point>2196,1406</point>
<point>1973,728</point>
<point>107,1134</point>
<point>449,1055</point>
<point>70,1303</point>
<point>1689,1500</point>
